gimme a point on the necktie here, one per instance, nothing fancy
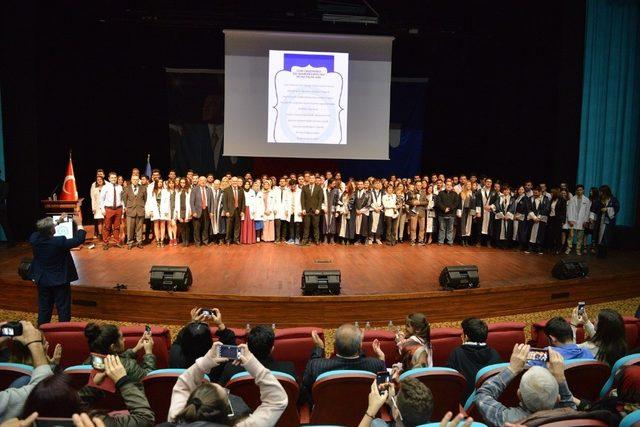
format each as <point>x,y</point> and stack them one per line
<point>135,190</point>
<point>114,197</point>
<point>204,200</point>
<point>235,197</point>
<point>311,189</point>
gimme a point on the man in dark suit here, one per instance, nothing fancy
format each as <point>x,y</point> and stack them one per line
<point>201,201</point>
<point>311,201</point>
<point>260,341</point>
<point>348,348</point>
<point>52,268</point>
<point>134,199</point>
<point>233,205</point>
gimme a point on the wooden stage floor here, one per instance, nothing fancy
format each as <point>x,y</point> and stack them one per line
<point>261,283</point>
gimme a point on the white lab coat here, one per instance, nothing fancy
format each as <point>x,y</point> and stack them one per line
<point>250,202</point>
<point>270,207</point>
<point>296,205</point>
<point>578,211</point>
<point>389,204</point>
<point>282,199</point>
<point>187,212</point>
<point>163,211</point>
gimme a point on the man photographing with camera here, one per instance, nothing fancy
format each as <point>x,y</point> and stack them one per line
<point>52,268</point>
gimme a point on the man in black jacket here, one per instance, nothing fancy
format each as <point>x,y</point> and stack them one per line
<point>53,269</point>
<point>474,353</point>
<point>348,345</point>
<point>447,202</point>
<point>260,341</point>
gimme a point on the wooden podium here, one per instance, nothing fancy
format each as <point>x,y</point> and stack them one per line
<point>58,207</point>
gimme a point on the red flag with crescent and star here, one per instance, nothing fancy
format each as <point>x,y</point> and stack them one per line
<point>69,190</point>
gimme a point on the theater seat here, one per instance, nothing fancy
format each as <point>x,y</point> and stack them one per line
<point>161,342</point>
<point>241,334</point>
<point>341,397</point>
<point>473,424</point>
<point>633,419</point>
<point>9,372</point>
<point>632,330</point>
<point>509,396</point>
<point>447,386</point>
<point>504,335</point>
<point>295,345</point>
<point>576,422</point>
<point>75,348</point>
<point>388,345</point>
<point>539,338</point>
<point>632,359</point>
<point>443,341</point>
<point>586,377</point>
<point>79,375</point>
<point>243,385</point>
<point>158,386</point>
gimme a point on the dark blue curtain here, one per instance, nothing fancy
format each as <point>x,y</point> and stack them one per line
<point>610,129</point>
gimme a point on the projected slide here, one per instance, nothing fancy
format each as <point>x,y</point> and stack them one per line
<point>308,97</point>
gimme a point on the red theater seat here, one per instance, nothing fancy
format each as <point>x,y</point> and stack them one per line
<point>161,342</point>
<point>388,345</point>
<point>9,372</point>
<point>80,377</point>
<point>158,386</point>
<point>585,378</point>
<point>539,338</point>
<point>631,326</point>
<point>75,348</point>
<point>243,385</point>
<point>341,397</point>
<point>443,341</point>
<point>509,396</point>
<point>632,329</point>
<point>241,334</point>
<point>447,386</point>
<point>295,345</point>
<point>503,336</point>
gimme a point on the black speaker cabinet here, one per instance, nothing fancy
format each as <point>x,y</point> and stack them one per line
<point>24,267</point>
<point>170,278</point>
<point>565,269</point>
<point>320,282</point>
<point>460,277</point>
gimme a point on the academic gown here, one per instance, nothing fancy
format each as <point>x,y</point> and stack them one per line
<point>486,217</point>
<point>520,224</point>
<point>466,212</point>
<point>376,218</point>
<point>329,206</point>
<point>219,221</point>
<point>361,220</point>
<point>503,219</point>
<point>537,230</point>
<point>346,222</point>
<point>605,222</point>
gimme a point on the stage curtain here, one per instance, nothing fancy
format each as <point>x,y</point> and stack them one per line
<point>610,126</point>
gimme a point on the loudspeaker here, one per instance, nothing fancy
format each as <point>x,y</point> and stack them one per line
<point>170,278</point>
<point>320,282</point>
<point>24,267</point>
<point>570,269</point>
<point>460,277</point>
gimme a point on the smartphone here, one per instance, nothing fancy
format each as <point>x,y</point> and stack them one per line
<point>147,329</point>
<point>581,305</point>
<point>231,352</point>
<point>97,361</point>
<point>53,422</point>
<point>382,377</point>
<point>207,312</point>
<point>538,354</point>
<point>11,329</point>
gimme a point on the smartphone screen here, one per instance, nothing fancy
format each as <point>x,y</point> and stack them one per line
<point>538,354</point>
<point>382,377</point>
<point>53,422</point>
<point>147,329</point>
<point>207,312</point>
<point>97,361</point>
<point>7,331</point>
<point>581,305</point>
<point>229,351</point>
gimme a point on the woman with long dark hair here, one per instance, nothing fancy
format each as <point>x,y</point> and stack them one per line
<point>589,240</point>
<point>605,212</point>
<point>606,339</point>
<point>557,219</point>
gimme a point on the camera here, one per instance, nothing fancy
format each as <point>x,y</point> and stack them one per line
<point>97,361</point>
<point>11,329</point>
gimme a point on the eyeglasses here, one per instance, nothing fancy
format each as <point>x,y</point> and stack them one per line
<point>232,414</point>
<point>395,404</point>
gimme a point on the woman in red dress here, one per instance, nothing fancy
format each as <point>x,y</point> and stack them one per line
<point>248,228</point>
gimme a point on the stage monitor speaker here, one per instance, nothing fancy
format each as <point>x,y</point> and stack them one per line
<point>320,282</point>
<point>460,277</point>
<point>170,278</point>
<point>24,267</point>
<point>565,269</point>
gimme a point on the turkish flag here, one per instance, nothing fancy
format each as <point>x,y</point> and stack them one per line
<point>69,190</point>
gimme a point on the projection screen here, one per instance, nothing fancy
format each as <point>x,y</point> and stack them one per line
<point>307,95</point>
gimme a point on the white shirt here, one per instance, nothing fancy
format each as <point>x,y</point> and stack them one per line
<point>106,196</point>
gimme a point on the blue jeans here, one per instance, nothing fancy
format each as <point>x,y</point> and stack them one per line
<point>50,295</point>
<point>446,229</point>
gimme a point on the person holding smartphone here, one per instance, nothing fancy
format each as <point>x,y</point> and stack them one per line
<point>52,268</point>
<point>195,400</point>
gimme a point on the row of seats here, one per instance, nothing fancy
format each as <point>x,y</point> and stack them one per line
<point>295,344</point>
<point>340,397</point>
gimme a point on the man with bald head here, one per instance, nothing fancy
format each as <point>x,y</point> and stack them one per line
<point>349,355</point>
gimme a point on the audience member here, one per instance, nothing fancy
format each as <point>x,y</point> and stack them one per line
<point>55,397</point>
<point>194,340</point>
<point>107,339</point>
<point>608,342</point>
<point>348,346</point>
<point>623,399</point>
<point>260,341</point>
<point>474,353</point>
<point>194,400</point>
<point>412,406</point>
<point>561,339</point>
<point>12,400</point>
<point>540,389</point>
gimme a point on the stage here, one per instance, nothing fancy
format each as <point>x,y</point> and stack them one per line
<point>261,283</point>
